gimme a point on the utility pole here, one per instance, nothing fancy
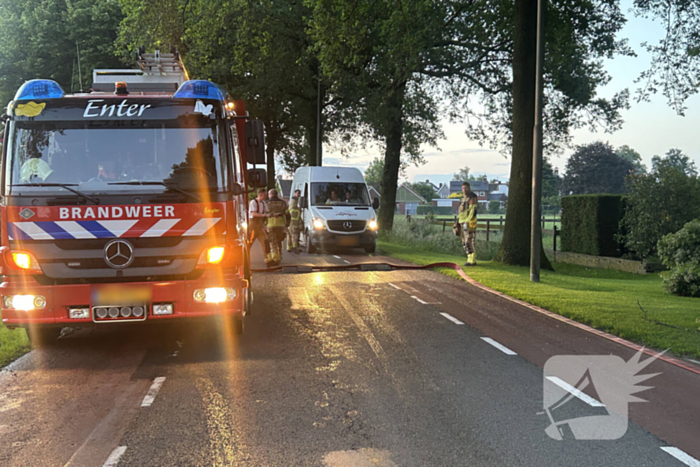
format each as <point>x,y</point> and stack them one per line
<point>318,124</point>
<point>80,74</point>
<point>535,221</point>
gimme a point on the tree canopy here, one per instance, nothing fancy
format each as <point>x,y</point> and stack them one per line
<point>596,168</point>
<point>39,40</point>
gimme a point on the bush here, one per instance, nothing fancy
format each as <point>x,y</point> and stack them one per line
<point>435,210</point>
<point>590,223</point>
<point>680,252</point>
<point>660,203</point>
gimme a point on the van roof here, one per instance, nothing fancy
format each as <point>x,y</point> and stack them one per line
<point>332,174</point>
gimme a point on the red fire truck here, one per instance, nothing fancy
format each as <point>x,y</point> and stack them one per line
<point>126,203</point>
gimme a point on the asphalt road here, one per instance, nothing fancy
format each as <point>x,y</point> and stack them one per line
<point>337,369</point>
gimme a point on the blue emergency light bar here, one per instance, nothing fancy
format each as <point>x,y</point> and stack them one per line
<point>199,89</point>
<point>39,89</point>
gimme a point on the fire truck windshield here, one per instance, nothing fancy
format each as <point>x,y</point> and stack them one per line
<point>98,157</point>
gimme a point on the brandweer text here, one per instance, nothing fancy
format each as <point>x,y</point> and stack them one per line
<point>116,212</point>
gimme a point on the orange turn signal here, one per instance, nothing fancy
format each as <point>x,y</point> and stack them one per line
<point>25,261</point>
<point>213,255</point>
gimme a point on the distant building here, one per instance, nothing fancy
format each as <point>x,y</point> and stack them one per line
<point>443,190</point>
<point>407,200</point>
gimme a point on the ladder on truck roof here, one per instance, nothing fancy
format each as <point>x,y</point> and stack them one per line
<point>158,72</point>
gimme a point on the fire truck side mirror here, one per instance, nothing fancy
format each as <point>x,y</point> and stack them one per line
<point>255,142</point>
<point>257,178</point>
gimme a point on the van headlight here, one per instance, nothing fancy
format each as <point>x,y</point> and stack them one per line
<point>318,224</point>
<point>372,224</point>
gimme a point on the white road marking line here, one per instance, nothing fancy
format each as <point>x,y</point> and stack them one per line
<point>419,300</point>
<point>179,344</point>
<point>451,318</point>
<point>500,347</point>
<point>681,456</point>
<point>569,388</point>
<point>174,354</point>
<point>113,458</point>
<point>153,391</point>
<point>694,361</point>
<point>394,286</point>
<point>336,256</point>
<point>346,261</point>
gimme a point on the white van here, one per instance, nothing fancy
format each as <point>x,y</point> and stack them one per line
<point>337,210</point>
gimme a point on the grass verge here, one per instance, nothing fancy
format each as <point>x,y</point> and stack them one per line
<point>603,299</point>
<point>13,344</point>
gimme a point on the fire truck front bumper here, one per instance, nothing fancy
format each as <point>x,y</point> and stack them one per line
<point>26,302</point>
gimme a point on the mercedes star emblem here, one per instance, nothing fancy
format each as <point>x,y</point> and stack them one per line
<point>119,253</point>
<point>347,225</point>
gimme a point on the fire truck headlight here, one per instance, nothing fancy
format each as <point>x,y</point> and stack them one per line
<point>213,255</point>
<point>214,294</point>
<point>24,260</point>
<point>24,302</point>
<point>318,224</point>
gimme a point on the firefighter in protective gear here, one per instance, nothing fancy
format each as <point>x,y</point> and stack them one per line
<point>467,220</point>
<point>276,224</point>
<point>294,225</point>
<point>257,212</point>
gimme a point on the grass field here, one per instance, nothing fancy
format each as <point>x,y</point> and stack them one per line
<point>604,299</point>
<point>13,344</point>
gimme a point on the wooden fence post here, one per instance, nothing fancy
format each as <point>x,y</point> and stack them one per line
<point>500,222</point>
<point>554,239</point>
<point>444,224</point>
<point>488,229</point>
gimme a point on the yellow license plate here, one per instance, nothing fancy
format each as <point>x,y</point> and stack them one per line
<point>119,295</point>
<point>348,241</point>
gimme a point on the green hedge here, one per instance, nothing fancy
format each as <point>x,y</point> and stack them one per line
<point>590,223</point>
<point>437,210</point>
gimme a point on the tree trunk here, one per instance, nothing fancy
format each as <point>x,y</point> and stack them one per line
<point>392,156</point>
<point>270,154</point>
<point>515,246</point>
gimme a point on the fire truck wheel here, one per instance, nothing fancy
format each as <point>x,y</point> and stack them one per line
<point>43,337</point>
<point>237,325</point>
<point>248,301</point>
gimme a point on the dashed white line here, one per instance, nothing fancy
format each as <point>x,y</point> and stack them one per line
<point>694,361</point>
<point>500,347</point>
<point>336,256</point>
<point>419,300</point>
<point>569,388</point>
<point>174,354</point>
<point>451,318</point>
<point>394,286</point>
<point>114,457</point>
<point>346,261</point>
<point>153,391</point>
<point>681,456</point>
<point>179,344</point>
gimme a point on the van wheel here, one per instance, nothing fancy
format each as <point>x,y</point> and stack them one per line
<point>370,249</point>
<point>310,249</point>
<point>43,337</point>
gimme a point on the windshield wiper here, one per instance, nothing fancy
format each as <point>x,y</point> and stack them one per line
<point>153,183</point>
<point>66,186</point>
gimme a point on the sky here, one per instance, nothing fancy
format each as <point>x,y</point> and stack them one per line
<point>651,128</point>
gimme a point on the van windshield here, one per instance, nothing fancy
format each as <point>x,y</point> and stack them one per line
<point>339,194</point>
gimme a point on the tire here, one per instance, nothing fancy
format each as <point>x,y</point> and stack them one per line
<point>371,249</point>
<point>237,325</point>
<point>310,249</point>
<point>248,301</point>
<point>43,336</point>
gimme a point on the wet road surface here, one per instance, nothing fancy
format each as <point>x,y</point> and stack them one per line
<point>405,368</point>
